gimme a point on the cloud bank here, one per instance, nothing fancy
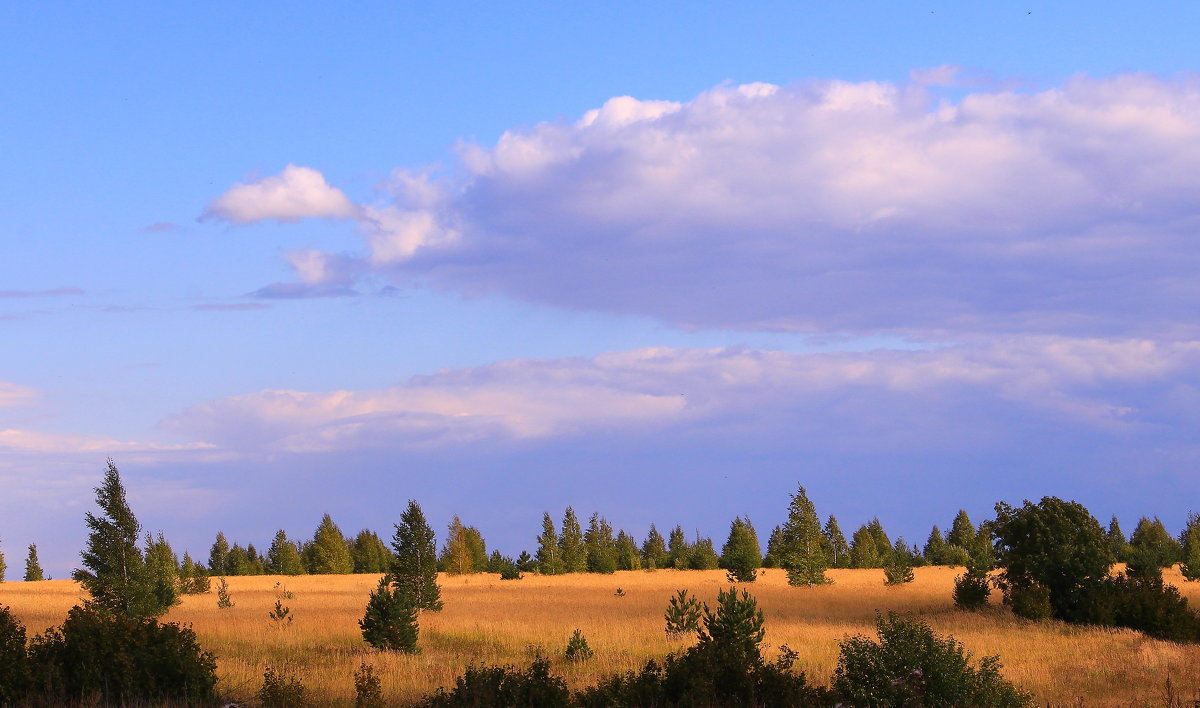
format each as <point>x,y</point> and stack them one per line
<point>824,206</point>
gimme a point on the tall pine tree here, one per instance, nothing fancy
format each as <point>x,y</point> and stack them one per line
<point>415,564</point>
<point>601,547</point>
<point>801,554</point>
<point>679,551</point>
<point>571,547</point>
<point>33,569</point>
<point>654,550</point>
<point>549,561</point>
<point>283,558</point>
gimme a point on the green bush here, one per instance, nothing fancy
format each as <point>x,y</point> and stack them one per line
<point>912,666</point>
<point>121,659</point>
<point>1146,605</point>
<point>14,661</point>
<point>897,571</point>
<point>683,614</point>
<point>368,691</point>
<point>577,648</point>
<point>971,592</point>
<point>282,689</point>
<point>504,687</point>
<point>1029,601</point>
<point>390,620</point>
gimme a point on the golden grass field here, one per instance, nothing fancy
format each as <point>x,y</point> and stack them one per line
<point>493,621</point>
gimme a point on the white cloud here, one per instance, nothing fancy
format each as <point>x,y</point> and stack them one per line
<point>295,193</point>
<point>15,440</point>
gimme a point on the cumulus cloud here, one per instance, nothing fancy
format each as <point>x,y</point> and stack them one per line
<point>295,193</point>
<point>1109,385</point>
<point>826,206</point>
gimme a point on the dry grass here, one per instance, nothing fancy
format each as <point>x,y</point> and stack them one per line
<point>493,621</point>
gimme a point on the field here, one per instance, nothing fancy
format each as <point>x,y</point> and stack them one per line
<point>493,621</point>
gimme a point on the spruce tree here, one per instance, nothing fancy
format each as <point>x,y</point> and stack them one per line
<point>369,553</point>
<point>935,548</point>
<point>654,550</point>
<point>1190,540</point>
<point>414,565</point>
<point>33,569</point>
<point>628,555</point>
<point>571,547</point>
<point>836,548</point>
<point>801,554</point>
<point>679,551</point>
<point>218,556</point>
<point>390,620</point>
<point>962,532</point>
<point>114,571</point>
<point>774,547</point>
<point>864,553</point>
<point>329,551</point>
<point>741,555</point>
<point>549,561</point>
<point>1117,541</point>
<point>601,547</point>
<point>283,558</point>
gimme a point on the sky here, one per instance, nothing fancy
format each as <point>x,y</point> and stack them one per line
<point>661,261</point>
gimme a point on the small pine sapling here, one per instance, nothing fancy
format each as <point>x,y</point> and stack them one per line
<point>390,620</point>
<point>282,615</point>
<point>224,600</point>
<point>897,570</point>
<point>282,689</point>
<point>368,691</point>
<point>683,614</point>
<point>577,648</point>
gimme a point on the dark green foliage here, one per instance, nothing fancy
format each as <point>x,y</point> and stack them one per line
<point>935,548</point>
<point>836,548</point>
<point>1190,541</point>
<point>962,532</point>
<point>654,551</point>
<point>911,666</point>
<point>33,568</point>
<point>741,555</point>
<point>193,578</point>
<point>369,553</point>
<point>282,689</point>
<point>1055,544</point>
<point>1030,601</point>
<point>800,550</point>
<point>390,620</point>
<point>1146,605</point>
<point>864,553</point>
<point>115,572</point>
<point>218,555</point>
<point>224,599</point>
<point>703,556</point>
<point>283,558</point>
<point>512,571</point>
<point>898,569</point>
<point>14,661</point>
<point>683,614</point>
<point>526,562</point>
<point>571,547</point>
<point>679,551</point>
<point>120,659</point>
<point>628,555</point>
<point>504,687</point>
<point>238,561</point>
<point>774,542</point>
<point>1151,545</point>
<point>1117,542</point>
<point>882,543</point>
<point>577,648</point>
<point>725,668</point>
<point>601,546</point>
<point>414,565</point>
<point>971,592</point>
<point>549,562</point>
<point>497,561</point>
<point>329,553</point>
<point>368,690</point>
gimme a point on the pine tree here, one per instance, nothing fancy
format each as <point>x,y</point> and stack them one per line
<point>237,562</point>
<point>835,544</point>
<point>1190,540</point>
<point>369,553</point>
<point>390,620</point>
<point>800,550</point>
<point>962,532</point>
<point>679,551</point>
<point>571,547</point>
<point>1117,541</point>
<point>33,569</point>
<point>628,556</point>
<point>864,553</point>
<point>283,558</point>
<point>329,551</point>
<point>935,548</point>
<point>654,550</point>
<point>601,547</point>
<point>414,565</point>
<point>703,556</point>
<point>115,571</point>
<point>549,562</point>
<point>456,554</point>
<point>218,556</point>
<point>774,546</point>
<point>741,555</point>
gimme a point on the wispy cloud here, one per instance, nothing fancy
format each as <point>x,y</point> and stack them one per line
<point>14,395</point>
<point>51,292</point>
<point>231,307</point>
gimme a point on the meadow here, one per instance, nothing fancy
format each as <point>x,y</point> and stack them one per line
<point>495,622</point>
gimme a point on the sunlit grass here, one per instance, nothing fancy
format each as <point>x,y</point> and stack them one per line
<point>492,621</point>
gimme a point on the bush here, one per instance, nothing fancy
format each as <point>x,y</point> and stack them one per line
<point>282,689</point>
<point>683,614</point>
<point>910,665</point>
<point>577,648</point>
<point>224,599</point>
<point>1029,601</point>
<point>390,620</point>
<point>897,571</point>
<point>504,686</point>
<point>1146,605</point>
<point>121,659</point>
<point>971,592</point>
<point>14,661</point>
<point>368,691</point>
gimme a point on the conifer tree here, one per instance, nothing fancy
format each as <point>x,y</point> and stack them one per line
<point>774,546</point>
<point>255,561</point>
<point>218,556</point>
<point>283,558</point>
<point>114,570</point>
<point>549,562</point>
<point>571,547</point>
<point>703,556</point>
<point>1190,540</point>
<point>477,549</point>
<point>935,548</point>
<point>863,551</point>
<point>837,550</point>
<point>962,532</point>
<point>1117,541</point>
<point>237,562</point>
<point>679,551</point>
<point>369,553</point>
<point>390,620</point>
<point>455,558</point>
<point>628,555</point>
<point>741,555</point>
<point>800,552</point>
<point>883,544</point>
<point>33,569</point>
<point>654,550</point>
<point>329,551</point>
<point>1151,545</point>
<point>601,547</point>
<point>414,565</point>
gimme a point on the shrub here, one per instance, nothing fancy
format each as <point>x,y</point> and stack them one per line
<point>368,691</point>
<point>683,614</point>
<point>14,661</point>
<point>510,572</point>
<point>577,648</point>
<point>224,599</point>
<point>910,665</point>
<point>390,620</point>
<point>897,571</point>
<point>121,659</point>
<point>282,689</point>
<point>504,686</point>
<point>971,592</point>
<point>1146,605</point>
<point>1029,601</point>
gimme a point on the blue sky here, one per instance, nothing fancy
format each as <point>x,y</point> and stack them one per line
<point>660,262</point>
